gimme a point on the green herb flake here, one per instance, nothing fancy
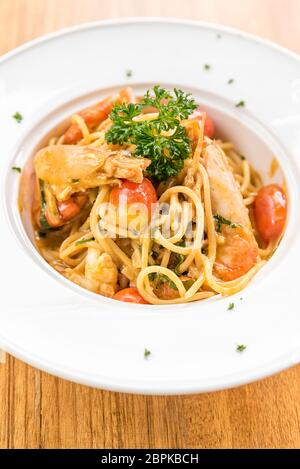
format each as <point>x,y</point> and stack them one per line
<point>188,283</point>
<point>180,261</point>
<point>241,348</point>
<point>242,157</point>
<point>223,221</point>
<point>17,169</point>
<point>159,279</point>
<point>240,104</point>
<point>167,153</point>
<point>128,73</point>
<point>230,81</point>
<point>230,306</point>
<point>82,241</point>
<point>18,117</point>
<point>43,219</point>
<point>147,353</point>
<point>207,67</point>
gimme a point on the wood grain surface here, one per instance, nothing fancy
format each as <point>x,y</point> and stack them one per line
<point>40,411</point>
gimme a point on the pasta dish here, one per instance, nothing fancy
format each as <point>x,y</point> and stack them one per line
<point>139,200</point>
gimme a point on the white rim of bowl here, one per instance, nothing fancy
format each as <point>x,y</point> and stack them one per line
<point>171,388</point>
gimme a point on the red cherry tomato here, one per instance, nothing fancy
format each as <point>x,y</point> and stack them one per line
<point>130,295</point>
<point>270,211</point>
<point>209,126</point>
<point>68,209</point>
<point>131,193</point>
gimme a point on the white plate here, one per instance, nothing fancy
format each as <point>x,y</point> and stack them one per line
<point>59,327</point>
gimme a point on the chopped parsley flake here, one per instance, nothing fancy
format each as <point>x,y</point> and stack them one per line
<point>129,73</point>
<point>230,81</point>
<point>16,168</point>
<point>207,67</point>
<point>240,348</point>
<point>223,221</point>
<point>147,353</point>
<point>188,283</point>
<point>240,104</point>
<point>159,279</point>
<point>230,306</point>
<point>18,117</point>
<point>82,241</point>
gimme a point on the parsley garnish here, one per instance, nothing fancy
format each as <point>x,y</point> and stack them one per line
<point>230,306</point>
<point>180,259</point>
<point>230,81</point>
<point>18,117</point>
<point>160,279</point>
<point>240,348</point>
<point>16,168</point>
<point>223,221</point>
<point>188,283</point>
<point>207,67</point>
<point>128,73</point>
<point>43,219</point>
<point>82,241</point>
<point>240,104</point>
<point>167,152</point>
<point>147,353</point>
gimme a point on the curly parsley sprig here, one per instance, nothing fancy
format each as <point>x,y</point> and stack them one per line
<point>167,151</point>
<point>223,221</point>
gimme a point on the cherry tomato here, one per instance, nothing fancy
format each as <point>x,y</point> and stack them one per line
<point>130,295</point>
<point>68,209</point>
<point>131,193</point>
<point>270,211</point>
<point>209,126</point>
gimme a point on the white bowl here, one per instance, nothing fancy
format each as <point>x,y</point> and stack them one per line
<point>59,327</point>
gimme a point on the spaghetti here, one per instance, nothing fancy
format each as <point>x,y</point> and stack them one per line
<point>207,236</point>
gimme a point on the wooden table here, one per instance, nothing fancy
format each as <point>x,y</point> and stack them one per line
<point>40,411</point>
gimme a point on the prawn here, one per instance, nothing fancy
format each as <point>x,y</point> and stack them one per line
<point>94,115</point>
<point>101,270</point>
<point>238,251</point>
